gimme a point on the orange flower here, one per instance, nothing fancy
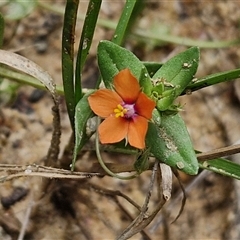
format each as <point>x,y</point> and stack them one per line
<point>126,111</point>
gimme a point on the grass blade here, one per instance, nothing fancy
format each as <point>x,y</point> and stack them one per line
<point>124,22</point>
<point>222,166</point>
<point>85,43</point>
<point>213,79</point>
<point>68,56</point>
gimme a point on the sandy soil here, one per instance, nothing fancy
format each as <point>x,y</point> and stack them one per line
<point>74,209</point>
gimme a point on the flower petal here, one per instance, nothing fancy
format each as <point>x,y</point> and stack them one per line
<point>103,102</point>
<point>137,132</point>
<point>113,129</point>
<point>127,86</point>
<point>144,106</point>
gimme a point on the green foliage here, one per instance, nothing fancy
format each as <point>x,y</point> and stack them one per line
<point>168,140</point>
<point>174,76</point>
<point>85,43</point>
<point>222,166</point>
<point>68,57</point>
<point>82,115</point>
<point>113,58</point>
<point>127,18</point>
<point>213,79</point>
<point>170,143</point>
<point>167,137</point>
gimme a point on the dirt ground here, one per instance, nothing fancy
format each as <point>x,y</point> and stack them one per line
<point>72,209</point>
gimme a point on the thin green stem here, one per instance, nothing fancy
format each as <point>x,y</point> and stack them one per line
<point>101,162</point>
<point>183,40</point>
<point>199,84</point>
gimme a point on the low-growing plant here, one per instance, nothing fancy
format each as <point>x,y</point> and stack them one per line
<point>132,110</point>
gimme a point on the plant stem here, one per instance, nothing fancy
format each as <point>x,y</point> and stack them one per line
<point>220,152</point>
<point>101,162</point>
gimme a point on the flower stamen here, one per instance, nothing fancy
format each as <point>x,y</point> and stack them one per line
<point>120,111</point>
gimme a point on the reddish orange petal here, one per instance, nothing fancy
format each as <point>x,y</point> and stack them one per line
<point>103,102</point>
<point>127,86</point>
<point>137,132</point>
<point>113,129</point>
<point>144,106</point>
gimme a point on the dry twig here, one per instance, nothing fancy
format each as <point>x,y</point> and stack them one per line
<point>143,219</point>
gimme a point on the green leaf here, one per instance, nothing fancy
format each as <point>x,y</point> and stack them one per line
<point>177,73</point>
<point>156,117</point>
<point>82,114</point>
<point>213,79</point>
<point>127,19</point>
<point>171,144</point>
<point>152,67</point>
<point>70,17</point>
<point>85,43</point>
<point>222,166</point>
<point>113,58</point>
<point>129,13</point>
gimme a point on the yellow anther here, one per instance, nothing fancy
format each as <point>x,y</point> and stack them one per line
<point>120,111</point>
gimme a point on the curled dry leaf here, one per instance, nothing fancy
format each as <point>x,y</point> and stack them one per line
<point>166,172</point>
<point>25,65</point>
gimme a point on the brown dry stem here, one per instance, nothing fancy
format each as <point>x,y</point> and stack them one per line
<point>9,171</point>
<point>144,218</point>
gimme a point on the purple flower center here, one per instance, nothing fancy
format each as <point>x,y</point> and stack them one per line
<point>130,110</point>
<point>125,110</point>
